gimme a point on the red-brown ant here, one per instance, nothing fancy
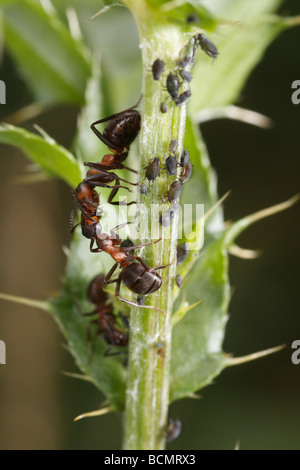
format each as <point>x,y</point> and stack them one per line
<point>106,320</point>
<point>87,200</point>
<point>135,273</point>
<point>98,175</point>
<point>119,133</point>
<point>121,130</point>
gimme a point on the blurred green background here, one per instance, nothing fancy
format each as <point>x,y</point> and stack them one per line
<point>256,404</point>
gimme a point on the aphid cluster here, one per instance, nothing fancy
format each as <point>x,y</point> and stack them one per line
<point>174,81</point>
<point>175,188</point>
<point>120,131</point>
<point>179,76</point>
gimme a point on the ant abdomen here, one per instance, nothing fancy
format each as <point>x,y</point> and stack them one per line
<point>140,280</point>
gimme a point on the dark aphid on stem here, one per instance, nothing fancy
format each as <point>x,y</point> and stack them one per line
<point>173,209</point>
<point>173,85</point>
<point>184,158</point>
<point>173,430</point>
<point>143,189</point>
<point>153,169</point>
<point>183,97</point>
<point>126,244</point>
<point>207,46</point>
<point>165,218</point>
<point>186,173</point>
<point>160,346</point>
<point>140,300</point>
<point>173,146</point>
<point>182,252</point>
<point>163,108</point>
<point>174,191</point>
<point>186,76</point>
<point>178,281</point>
<point>185,62</point>
<point>171,165</point>
<point>157,68</point>
<point>121,129</point>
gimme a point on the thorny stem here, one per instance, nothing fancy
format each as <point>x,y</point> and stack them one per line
<point>147,396</point>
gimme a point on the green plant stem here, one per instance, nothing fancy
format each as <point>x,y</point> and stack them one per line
<point>147,396</point>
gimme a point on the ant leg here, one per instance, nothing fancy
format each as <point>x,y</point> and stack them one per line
<point>123,167</point>
<point>73,228</point>
<point>105,174</point>
<point>80,208</point>
<point>71,220</point>
<point>101,136</point>
<point>118,227</point>
<point>129,301</point>
<point>140,246</point>
<point>162,267</point>
<point>118,203</point>
<point>147,267</point>
<point>94,250</point>
<point>109,118</point>
<point>93,181</point>
<point>113,116</point>
<point>138,305</point>
<point>109,274</point>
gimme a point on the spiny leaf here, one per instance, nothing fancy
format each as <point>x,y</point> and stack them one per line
<point>55,65</point>
<point>198,337</point>
<point>106,372</point>
<point>241,45</point>
<point>47,153</point>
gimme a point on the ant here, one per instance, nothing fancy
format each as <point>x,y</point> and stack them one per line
<point>106,320</point>
<point>87,199</point>
<point>135,273</point>
<point>99,176</point>
<point>121,130</point>
<point>119,133</point>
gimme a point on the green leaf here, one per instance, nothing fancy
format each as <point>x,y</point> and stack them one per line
<point>241,43</point>
<point>202,187</point>
<point>86,145</point>
<point>198,336</point>
<point>106,372</point>
<point>197,339</point>
<point>55,65</point>
<point>53,158</point>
